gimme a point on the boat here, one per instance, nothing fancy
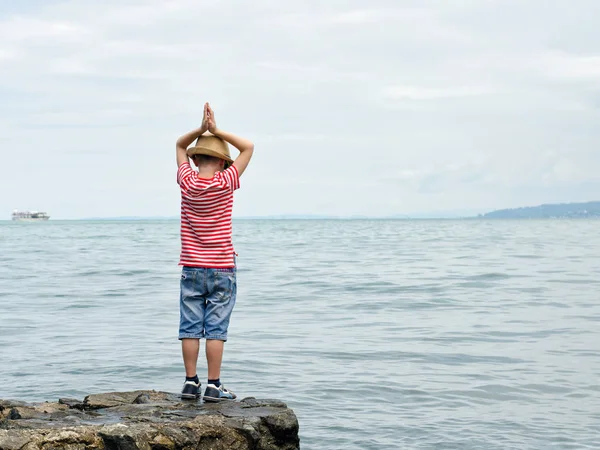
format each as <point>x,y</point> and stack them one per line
<point>29,216</point>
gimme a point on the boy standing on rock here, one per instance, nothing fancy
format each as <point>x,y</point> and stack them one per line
<point>208,278</point>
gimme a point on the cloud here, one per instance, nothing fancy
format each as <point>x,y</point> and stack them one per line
<point>32,29</point>
<point>425,93</point>
<point>573,67</point>
<point>394,108</point>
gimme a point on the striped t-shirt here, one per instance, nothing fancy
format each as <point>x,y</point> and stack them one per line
<point>206,206</point>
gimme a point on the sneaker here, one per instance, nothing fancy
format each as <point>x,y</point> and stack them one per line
<point>216,394</point>
<point>190,390</point>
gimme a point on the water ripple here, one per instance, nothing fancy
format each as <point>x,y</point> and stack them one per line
<point>380,334</point>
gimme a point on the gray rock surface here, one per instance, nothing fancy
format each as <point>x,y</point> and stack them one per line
<point>147,420</point>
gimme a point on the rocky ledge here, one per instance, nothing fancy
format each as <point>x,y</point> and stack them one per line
<point>147,420</point>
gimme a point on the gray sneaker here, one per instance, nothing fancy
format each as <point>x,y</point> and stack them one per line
<point>191,390</point>
<point>216,394</point>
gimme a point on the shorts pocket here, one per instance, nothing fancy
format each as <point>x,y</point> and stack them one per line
<point>224,283</point>
<point>187,281</point>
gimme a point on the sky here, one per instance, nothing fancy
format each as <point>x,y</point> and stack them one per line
<point>401,107</point>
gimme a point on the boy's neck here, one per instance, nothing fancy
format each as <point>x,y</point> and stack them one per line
<point>207,173</point>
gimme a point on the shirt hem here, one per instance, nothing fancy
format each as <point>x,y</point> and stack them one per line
<point>207,266</point>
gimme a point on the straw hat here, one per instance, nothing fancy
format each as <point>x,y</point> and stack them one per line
<point>211,145</point>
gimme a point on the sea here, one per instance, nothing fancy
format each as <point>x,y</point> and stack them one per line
<point>379,334</point>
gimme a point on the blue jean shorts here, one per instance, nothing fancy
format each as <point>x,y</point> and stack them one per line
<point>206,301</point>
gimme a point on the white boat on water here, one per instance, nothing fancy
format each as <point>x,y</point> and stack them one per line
<point>29,216</point>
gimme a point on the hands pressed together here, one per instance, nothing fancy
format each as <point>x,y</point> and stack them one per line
<point>208,121</point>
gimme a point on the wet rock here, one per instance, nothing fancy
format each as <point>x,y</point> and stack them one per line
<point>71,403</point>
<point>141,399</point>
<point>147,420</point>
<point>14,414</point>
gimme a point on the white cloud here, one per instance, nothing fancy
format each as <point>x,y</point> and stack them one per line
<point>425,93</point>
<point>361,16</point>
<point>32,29</point>
<point>573,66</point>
<point>399,107</point>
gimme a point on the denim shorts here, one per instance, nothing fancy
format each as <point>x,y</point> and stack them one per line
<point>207,299</point>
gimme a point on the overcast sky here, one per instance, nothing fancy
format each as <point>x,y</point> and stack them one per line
<point>404,107</point>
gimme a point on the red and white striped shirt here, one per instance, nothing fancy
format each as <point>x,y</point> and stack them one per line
<point>206,207</point>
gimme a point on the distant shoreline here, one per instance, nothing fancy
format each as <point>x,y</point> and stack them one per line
<point>340,219</point>
<point>587,210</point>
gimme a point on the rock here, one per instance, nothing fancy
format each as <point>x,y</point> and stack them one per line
<point>112,399</point>
<point>147,420</point>
<point>142,398</point>
<point>71,403</point>
<point>49,408</point>
<point>161,442</point>
<point>14,414</point>
<point>12,442</point>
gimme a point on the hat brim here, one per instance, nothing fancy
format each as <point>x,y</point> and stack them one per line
<point>207,151</point>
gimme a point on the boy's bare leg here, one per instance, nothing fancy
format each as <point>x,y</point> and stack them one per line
<point>190,349</point>
<point>214,357</point>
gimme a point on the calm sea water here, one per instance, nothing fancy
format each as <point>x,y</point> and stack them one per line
<point>380,334</point>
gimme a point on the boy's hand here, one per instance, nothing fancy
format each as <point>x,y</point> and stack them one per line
<point>212,123</point>
<point>204,126</point>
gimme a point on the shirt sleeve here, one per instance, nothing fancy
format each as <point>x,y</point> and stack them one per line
<point>231,178</point>
<point>184,175</point>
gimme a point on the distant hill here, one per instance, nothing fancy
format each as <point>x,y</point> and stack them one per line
<point>550,211</point>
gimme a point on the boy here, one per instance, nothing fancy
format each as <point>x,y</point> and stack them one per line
<point>208,278</point>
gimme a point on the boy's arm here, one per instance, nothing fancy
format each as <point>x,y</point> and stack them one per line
<point>245,147</point>
<point>184,141</point>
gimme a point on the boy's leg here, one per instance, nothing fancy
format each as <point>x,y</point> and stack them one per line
<point>191,326</point>
<point>220,300</point>
<point>214,358</point>
<point>190,349</point>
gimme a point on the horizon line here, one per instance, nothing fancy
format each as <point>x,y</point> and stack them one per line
<point>275,217</point>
